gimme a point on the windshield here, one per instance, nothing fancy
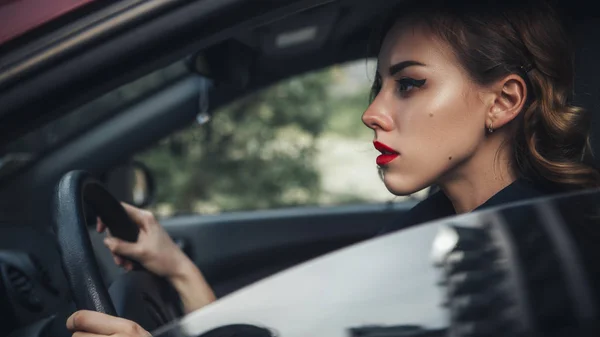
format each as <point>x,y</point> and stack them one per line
<point>450,275</point>
<point>38,142</point>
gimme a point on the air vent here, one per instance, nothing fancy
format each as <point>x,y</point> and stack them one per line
<point>23,288</point>
<point>475,281</point>
<point>44,276</point>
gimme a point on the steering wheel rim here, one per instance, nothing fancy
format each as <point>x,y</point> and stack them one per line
<point>73,192</point>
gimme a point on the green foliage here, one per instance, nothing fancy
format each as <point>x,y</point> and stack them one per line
<point>258,152</point>
<point>345,118</point>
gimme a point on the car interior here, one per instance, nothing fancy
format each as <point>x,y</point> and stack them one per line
<point>208,54</point>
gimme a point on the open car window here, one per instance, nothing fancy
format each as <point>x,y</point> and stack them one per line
<point>300,142</point>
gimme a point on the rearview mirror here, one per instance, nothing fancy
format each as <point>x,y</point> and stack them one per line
<point>132,183</point>
<point>224,65</point>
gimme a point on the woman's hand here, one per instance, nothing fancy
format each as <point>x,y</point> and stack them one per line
<point>154,248</point>
<point>156,251</point>
<point>85,323</point>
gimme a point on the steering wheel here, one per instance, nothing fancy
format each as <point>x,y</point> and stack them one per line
<point>137,295</point>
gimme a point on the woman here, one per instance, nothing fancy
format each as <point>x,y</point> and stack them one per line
<point>473,99</point>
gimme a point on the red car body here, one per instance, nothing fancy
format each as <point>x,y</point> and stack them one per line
<point>20,16</point>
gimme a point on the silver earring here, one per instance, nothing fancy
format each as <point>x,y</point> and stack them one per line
<point>491,127</point>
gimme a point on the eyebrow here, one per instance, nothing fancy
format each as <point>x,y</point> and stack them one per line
<point>398,67</point>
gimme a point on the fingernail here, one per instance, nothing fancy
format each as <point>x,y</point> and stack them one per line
<point>109,241</point>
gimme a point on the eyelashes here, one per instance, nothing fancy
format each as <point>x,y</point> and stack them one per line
<point>406,84</point>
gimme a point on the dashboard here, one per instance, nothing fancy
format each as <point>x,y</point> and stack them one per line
<point>32,284</point>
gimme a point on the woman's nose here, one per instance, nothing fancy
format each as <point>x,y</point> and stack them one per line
<point>377,116</point>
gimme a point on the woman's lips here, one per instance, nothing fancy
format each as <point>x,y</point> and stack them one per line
<point>387,153</point>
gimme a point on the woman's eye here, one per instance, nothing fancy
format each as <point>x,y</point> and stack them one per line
<point>407,84</point>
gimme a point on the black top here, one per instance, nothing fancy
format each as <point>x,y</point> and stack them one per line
<point>438,205</point>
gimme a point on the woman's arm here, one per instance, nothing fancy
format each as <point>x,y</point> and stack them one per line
<point>156,251</point>
<point>193,289</point>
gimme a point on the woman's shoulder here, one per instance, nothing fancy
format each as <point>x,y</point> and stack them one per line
<point>521,189</point>
<point>438,205</point>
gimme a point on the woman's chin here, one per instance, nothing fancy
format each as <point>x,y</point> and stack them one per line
<point>400,186</point>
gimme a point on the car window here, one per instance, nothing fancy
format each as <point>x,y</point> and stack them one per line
<point>299,142</point>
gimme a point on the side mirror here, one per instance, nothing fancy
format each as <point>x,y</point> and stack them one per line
<point>132,183</point>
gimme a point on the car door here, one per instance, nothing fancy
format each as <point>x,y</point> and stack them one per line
<point>275,178</point>
<point>529,268</point>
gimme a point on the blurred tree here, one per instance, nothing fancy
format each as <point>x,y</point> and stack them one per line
<point>256,153</point>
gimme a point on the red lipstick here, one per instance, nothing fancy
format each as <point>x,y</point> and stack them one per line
<point>387,153</point>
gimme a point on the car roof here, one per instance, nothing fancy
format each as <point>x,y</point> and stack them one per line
<point>47,74</point>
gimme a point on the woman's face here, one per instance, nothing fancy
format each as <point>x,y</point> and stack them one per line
<point>428,116</point>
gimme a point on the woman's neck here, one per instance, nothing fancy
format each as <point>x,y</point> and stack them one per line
<point>480,177</point>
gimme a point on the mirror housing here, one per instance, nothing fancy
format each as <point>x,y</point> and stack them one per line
<point>133,183</point>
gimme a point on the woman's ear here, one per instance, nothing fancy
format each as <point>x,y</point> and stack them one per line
<point>510,97</point>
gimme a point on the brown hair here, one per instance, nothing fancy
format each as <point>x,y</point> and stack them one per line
<point>492,39</point>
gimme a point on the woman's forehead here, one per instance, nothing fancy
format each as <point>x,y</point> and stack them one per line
<point>412,42</point>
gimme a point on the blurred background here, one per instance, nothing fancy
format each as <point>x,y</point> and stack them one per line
<point>299,142</point>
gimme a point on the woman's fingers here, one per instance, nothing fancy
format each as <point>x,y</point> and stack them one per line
<point>141,217</point>
<point>100,226</point>
<point>101,324</point>
<point>86,334</point>
<point>124,248</point>
<point>123,263</point>
<point>118,260</point>
<point>133,212</point>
